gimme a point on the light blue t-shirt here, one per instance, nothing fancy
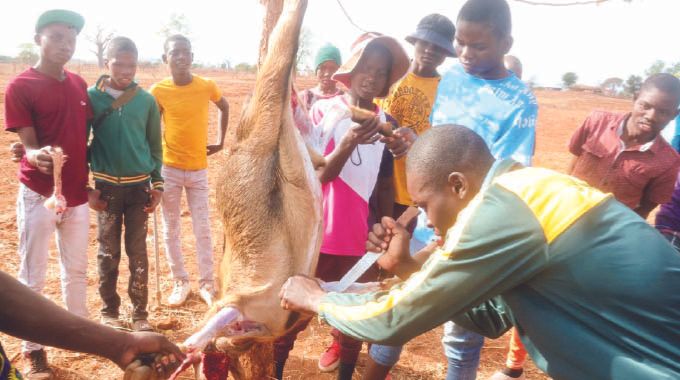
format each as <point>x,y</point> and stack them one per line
<point>671,133</point>
<point>502,111</point>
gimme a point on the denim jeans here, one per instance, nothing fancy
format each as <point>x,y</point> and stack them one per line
<point>36,224</point>
<point>462,349</point>
<point>673,238</point>
<point>386,356</point>
<point>125,207</point>
<point>195,183</point>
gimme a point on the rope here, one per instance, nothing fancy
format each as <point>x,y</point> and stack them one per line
<point>587,2</point>
<point>350,18</point>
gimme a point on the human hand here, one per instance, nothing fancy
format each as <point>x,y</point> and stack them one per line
<point>40,159</point>
<point>17,150</point>
<point>301,293</point>
<point>212,149</point>
<point>364,132</point>
<point>392,239</point>
<point>400,141</point>
<point>166,356</point>
<point>154,199</point>
<point>95,201</point>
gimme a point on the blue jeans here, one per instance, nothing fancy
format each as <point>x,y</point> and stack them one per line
<point>386,356</point>
<point>462,349</point>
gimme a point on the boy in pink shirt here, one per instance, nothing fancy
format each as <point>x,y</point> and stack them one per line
<point>353,153</point>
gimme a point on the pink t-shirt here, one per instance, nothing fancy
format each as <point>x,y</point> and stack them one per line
<point>345,199</point>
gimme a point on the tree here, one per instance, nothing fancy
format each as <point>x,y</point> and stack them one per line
<point>674,69</point>
<point>569,79</point>
<point>178,24</point>
<point>27,53</point>
<point>632,85</point>
<point>100,38</point>
<point>304,50</point>
<point>245,67</point>
<point>612,86</point>
<point>657,67</point>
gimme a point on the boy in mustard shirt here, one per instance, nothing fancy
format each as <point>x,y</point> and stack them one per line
<point>183,101</point>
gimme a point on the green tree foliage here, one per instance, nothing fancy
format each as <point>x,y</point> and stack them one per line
<point>569,79</point>
<point>660,66</point>
<point>178,24</point>
<point>632,85</point>
<point>28,53</point>
<point>304,52</point>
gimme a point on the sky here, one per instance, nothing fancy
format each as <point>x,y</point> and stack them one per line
<point>615,38</point>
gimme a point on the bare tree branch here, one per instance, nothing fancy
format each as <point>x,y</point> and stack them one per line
<point>100,39</point>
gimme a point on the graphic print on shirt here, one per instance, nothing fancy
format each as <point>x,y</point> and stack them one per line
<point>412,105</point>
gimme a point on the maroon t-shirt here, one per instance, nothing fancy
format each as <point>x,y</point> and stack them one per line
<point>59,111</point>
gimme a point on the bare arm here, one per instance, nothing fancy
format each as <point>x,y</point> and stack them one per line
<point>223,107</point>
<point>364,133</point>
<point>36,156</point>
<point>385,196</point>
<point>421,256</point>
<point>572,165</point>
<point>645,208</point>
<point>28,315</point>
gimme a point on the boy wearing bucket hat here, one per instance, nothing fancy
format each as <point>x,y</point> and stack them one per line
<point>56,120</point>
<point>353,153</point>
<point>410,103</point>
<point>326,63</point>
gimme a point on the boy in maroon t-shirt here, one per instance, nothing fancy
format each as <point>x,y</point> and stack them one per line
<point>48,106</point>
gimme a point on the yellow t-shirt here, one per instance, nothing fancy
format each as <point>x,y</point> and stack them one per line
<point>410,103</point>
<point>184,111</point>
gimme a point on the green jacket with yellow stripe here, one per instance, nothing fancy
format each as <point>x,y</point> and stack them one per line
<point>593,290</point>
<point>126,146</point>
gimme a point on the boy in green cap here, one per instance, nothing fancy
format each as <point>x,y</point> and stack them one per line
<point>326,63</point>
<point>47,106</point>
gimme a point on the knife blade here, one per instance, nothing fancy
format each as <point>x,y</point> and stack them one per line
<point>368,259</point>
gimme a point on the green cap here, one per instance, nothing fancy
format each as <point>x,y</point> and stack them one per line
<point>61,16</point>
<point>327,52</point>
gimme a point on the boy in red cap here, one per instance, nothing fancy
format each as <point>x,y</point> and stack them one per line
<point>42,122</point>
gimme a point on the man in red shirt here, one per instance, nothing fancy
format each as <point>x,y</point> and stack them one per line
<point>48,107</point>
<point>623,153</point>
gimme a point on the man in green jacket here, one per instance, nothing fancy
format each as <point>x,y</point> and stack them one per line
<point>591,288</point>
<point>125,159</point>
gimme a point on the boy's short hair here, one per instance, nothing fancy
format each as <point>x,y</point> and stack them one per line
<point>495,13</point>
<point>663,82</point>
<point>175,38</point>
<point>120,44</point>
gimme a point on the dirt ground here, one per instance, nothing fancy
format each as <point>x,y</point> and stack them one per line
<point>559,114</point>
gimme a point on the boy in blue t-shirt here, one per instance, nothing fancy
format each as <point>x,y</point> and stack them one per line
<point>481,94</point>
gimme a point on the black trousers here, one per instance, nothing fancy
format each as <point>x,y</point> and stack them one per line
<point>125,207</point>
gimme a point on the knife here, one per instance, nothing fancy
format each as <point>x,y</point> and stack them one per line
<point>368,259</point>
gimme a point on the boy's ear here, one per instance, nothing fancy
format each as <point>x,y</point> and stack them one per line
<point>458,184</point>
<point>36,39</point>
<point>164,58</point>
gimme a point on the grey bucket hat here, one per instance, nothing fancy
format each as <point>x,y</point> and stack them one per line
<point>436,29</point>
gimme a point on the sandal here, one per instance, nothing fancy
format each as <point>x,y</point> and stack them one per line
<point>141,325</point>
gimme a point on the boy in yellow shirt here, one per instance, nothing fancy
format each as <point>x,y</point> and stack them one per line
<point>183,101</point>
